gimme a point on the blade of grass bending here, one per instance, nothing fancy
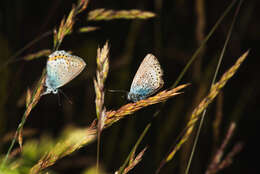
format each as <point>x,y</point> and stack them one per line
<point>194,56</point>
<point>212,83</point>
<point>106,14</point>
<point>67,23</point>
<point>100,128</point>
<point>29,107</point>
<point>99,82</point>
<point>203,44</point>
<point>98,147</point>
<point>182,74</point>
<point>195,116</point>
<point>134,148</point>
<point>202,106</point>
<point>10,59</point>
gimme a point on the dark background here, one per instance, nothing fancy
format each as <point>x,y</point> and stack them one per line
<point>173,37</point>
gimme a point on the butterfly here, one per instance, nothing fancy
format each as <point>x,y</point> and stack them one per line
<point>148,79</point>
<point>61,68</point>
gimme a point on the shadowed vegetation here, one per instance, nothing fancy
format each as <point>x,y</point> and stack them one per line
<point>207,65</point>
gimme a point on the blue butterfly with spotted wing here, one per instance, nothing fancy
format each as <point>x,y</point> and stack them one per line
<point>148,79</point>
<point>61,68</point>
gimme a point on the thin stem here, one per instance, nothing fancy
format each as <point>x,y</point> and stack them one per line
<point>134,149</point>
<point>195,55</point>
<point>10,60</point>
<point>25,115</point>
<point>212,83</point>
<point>203,44</point>
<point>98,151</point>
<point>20,126</point>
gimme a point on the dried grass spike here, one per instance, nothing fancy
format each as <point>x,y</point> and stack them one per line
<point>113,116</point>
<point>104,14</point>
<point>205,102</point>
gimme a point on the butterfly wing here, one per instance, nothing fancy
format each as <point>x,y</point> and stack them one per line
<point>62,67</point>
<point>148,79</point>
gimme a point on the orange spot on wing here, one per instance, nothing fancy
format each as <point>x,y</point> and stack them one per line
<point>55,57</point>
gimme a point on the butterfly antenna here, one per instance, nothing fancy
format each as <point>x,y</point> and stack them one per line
<point>66,97</point>
<point>121,91</point>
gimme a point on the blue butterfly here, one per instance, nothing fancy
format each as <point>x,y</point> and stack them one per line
<point>61,68</point>
<point>148,79</point>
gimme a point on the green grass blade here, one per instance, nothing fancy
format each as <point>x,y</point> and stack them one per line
<point>121,169</point>
<point>212,83</point>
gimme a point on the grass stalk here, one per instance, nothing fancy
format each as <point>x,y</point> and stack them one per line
<point>205,102</point>
<point>102,72</point>
<point>67,146</point>
<point>115,115</point>
<point>218,162</point>
<point>122,168</point>
<point>105,14</point>
<point>65,29</point>
<point>212,83</point>
<point>37,39</point>
<point>29,106</point>
<point>195,55</point>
